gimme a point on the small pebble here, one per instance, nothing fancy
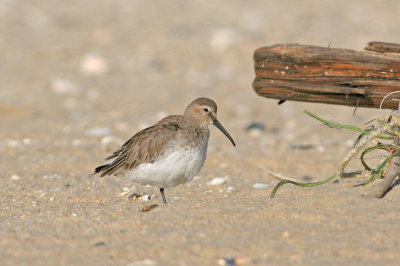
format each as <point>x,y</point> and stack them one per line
<point>222,38</point>
<point>94,64</point>
<point>321,149</point>
<point>64,87</point>
<point>13,143</point>
<point>217,181</point>
<point>145,262</point>
<point>77,142</point>
<point>255,125</point>
<point>234,261</point>
<point>304,146</point>
<point>260,186</point>
<point>286,234</point>
<point>15,177</point>
<point>27,141</point>
<point>99,244</point>
<point>255,129</point>
<point>98,131</point>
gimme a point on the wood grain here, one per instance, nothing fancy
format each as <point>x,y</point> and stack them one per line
<point>326,75</point>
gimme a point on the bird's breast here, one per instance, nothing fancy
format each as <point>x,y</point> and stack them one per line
<point>197,157</point>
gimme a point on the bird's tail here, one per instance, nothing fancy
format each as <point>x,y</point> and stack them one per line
<point>99,168</point>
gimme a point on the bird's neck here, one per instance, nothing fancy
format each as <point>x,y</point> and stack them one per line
<point>198,132</point>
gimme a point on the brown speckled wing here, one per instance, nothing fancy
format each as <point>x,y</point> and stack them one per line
<point>144,147</point>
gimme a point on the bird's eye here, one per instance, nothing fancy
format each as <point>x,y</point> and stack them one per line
<point>205,110</point>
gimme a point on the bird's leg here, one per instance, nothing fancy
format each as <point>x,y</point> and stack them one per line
<point>163,195</point>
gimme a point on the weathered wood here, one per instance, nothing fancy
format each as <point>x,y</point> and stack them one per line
<point>383,47</point>
<point>389,178</point>
<point>325,75</point>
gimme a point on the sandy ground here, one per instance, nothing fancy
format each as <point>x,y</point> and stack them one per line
<point>78,77</point>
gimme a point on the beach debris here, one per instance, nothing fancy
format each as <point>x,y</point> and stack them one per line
<point>255,129</point>
<point>255,126</point>
<point>302,146</point>
<point>286,234</point>
<point>99,244</point>
<point>77,142</point>
<point>222,38</point>
<point>217,181</point>
<point>15,177</point>
<point>145,262</point>
<point>149,208</point>
<point>27,141</point>
<point>383,135</point>
<point>13,143</point>
<point>139,196</point>
<point>260,185</point>
<point>94,64</point>
<point>232,261</point>
<point>63,86</point>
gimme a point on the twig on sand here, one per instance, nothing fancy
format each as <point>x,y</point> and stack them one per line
<point>278,176</point>
<point>387,182</point>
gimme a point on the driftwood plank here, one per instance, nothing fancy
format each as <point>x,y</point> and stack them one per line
<point>326,75</point>
<point>383,47</point>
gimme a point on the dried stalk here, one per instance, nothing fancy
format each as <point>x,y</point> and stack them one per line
<point>387,129</point>
<point>391,175</point>
<point>343,163</point>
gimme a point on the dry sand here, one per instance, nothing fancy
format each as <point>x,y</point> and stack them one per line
<point>74,72</point>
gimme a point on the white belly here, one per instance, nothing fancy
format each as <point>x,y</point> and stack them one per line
<point>176,166</point>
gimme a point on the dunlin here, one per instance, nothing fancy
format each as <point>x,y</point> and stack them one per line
<point>169,153</point>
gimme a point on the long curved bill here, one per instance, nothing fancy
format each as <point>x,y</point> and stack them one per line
<point>220,127</point>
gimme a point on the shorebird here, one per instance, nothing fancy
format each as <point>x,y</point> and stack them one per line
<point>169,153</point>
